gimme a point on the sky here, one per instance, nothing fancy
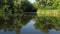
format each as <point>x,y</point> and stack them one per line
<point>31,1</point>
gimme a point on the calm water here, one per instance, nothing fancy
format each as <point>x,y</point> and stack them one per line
<point>33,25</point>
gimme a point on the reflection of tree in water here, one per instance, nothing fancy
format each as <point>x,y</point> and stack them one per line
<point>27,17</point>
<point>46,23</point>
<point>14,24</point>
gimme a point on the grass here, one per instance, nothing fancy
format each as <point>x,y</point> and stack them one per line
<point>48,12</point>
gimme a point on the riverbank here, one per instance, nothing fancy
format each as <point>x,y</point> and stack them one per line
<point>48,12</point>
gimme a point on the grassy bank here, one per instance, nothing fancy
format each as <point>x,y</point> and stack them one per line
<point>48,12</point>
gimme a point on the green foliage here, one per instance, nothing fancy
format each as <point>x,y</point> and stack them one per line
<point>47,4</point>
<point>45,23</point>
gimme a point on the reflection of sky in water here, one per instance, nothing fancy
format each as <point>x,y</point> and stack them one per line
<point>1,32</point>
<point>52,31</point>
<point>29,29</point>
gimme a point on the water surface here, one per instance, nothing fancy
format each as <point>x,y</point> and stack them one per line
<point>33,25</point>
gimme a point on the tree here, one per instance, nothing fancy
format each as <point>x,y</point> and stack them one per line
<point>27,7</point>
<point>47,4</point>
<point>12,17</point>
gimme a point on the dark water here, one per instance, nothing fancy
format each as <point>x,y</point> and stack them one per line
<point>33,25</point>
